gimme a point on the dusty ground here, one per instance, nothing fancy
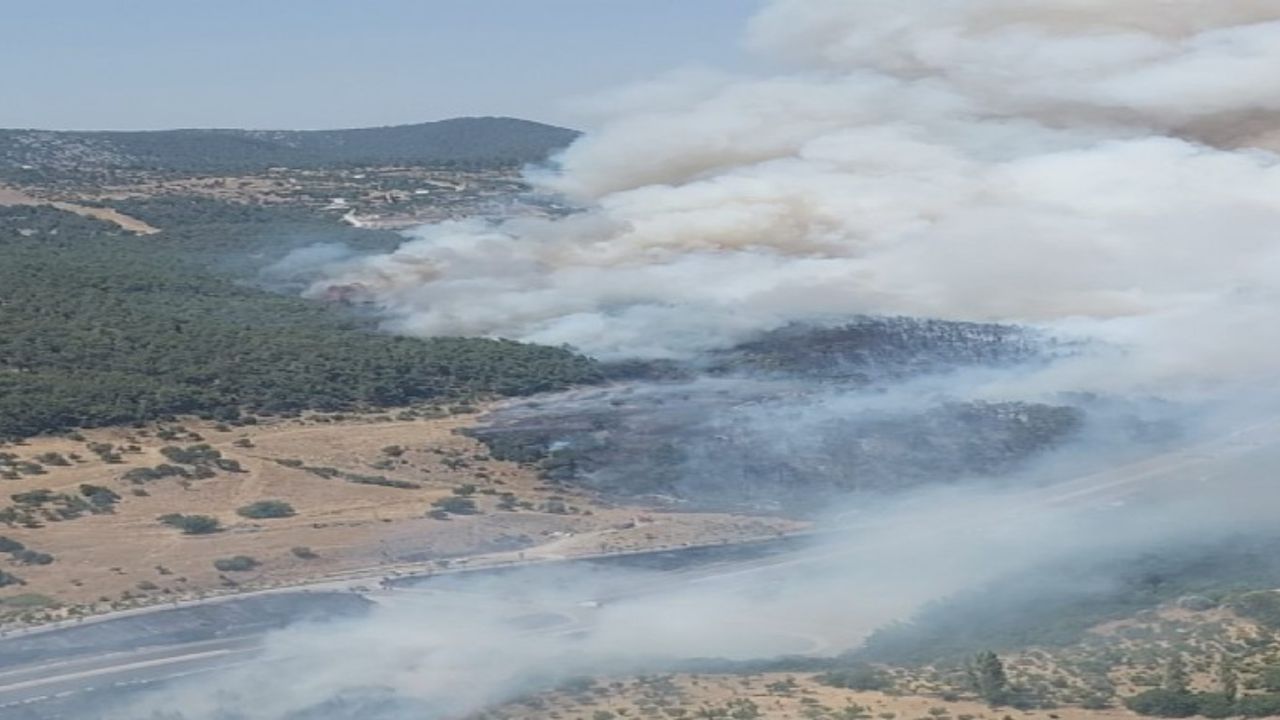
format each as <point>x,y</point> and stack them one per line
<point>9,196</point>
<point>127,557</point>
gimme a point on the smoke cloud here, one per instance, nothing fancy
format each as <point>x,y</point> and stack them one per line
<point>1099,168</point>
<point>455,647</point>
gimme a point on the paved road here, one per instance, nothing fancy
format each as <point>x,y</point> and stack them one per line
<point>43,683</point>
<point>34,684</point>
<point>43,688</point>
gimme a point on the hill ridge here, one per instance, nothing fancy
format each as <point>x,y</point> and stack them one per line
<point>462,141</point>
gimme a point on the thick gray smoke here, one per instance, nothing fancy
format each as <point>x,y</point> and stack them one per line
<point>447,650</point>
<point>1097,166</point>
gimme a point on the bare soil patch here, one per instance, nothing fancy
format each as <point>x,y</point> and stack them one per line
<point>9,196</point>
<point>322,467</point>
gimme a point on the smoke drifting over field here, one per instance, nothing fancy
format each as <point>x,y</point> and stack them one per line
<point>456,648</point>
<point>1079,163</point>
<point>1096,168</point>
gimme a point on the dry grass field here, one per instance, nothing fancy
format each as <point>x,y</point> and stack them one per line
<point>9,196</point>
<point>322,467</point>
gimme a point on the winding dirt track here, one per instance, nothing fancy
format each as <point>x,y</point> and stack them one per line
<point>9,196</point>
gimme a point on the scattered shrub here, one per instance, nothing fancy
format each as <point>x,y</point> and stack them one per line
<point>456,505</point>
<point>159,472</point>
<point>1163,703</point>
<point>266,509</point>
<point>862,677</point>
<point>34,497</point>
<point>238,563</point>
<point>192,454</point>
<point>192,524</point>
<point>555,506</point>
<point>31,557</point>
<point>99,496</point>
<point>381,481</point>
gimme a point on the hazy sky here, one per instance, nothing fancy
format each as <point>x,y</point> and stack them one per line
<point>339,63</point>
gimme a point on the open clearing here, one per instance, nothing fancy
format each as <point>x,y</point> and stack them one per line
<point>319,465</point>
<point>9,196</point>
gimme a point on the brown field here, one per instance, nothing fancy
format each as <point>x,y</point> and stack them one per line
<point>9,196</point>
<point>127,557</point>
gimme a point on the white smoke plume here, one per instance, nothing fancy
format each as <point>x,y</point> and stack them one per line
<point>457,648</point>
<point>1097,165</point>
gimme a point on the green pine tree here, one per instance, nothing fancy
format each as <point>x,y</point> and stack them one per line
<point>986,674</point>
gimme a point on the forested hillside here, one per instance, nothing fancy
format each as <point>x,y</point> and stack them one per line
<point>459,142</point>
<point>100,326</point>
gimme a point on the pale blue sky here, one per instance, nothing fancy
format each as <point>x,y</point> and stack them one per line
<point>125,64</point>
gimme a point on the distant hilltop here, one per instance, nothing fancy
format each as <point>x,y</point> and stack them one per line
<point>469,142</point>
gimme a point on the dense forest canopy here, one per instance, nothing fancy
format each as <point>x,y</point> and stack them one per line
<point>102,327</point>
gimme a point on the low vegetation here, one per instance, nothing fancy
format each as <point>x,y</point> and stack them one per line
<point>22,554</point>
<point>192,524</point>
<point>456,505</point>
<point>237,563</point>
<point>34,508</point>
<point>267,509</point>
<point>858,677</point>
<point>99,496</point>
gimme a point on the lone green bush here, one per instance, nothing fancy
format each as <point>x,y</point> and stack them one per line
<point>238,563</point>
<point>266,509</point>
<point>192,524</point>
<point>456,505</point>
